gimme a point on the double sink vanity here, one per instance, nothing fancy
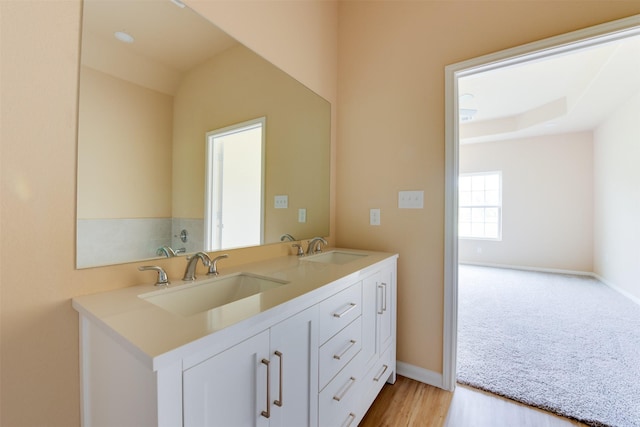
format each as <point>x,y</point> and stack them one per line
<point>292,341</point>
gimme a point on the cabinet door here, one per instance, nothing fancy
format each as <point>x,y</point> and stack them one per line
<point>384,309</point>
<point>294,379</point>
<point>229,389</point>
<point>368,352</point>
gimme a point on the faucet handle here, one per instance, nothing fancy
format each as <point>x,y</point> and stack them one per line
<point>213,266</point>
<point>162,280</point>
<point>299,252</point>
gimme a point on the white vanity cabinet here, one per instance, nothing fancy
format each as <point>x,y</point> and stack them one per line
<point>378,356</point>
<point>263,381</point>
<point>228,389</point>
<point>318,358</point>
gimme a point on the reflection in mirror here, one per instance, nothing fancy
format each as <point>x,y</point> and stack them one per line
<point>148,107</point>
<point>233,194</point>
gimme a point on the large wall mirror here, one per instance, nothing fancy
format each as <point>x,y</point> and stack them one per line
<point>156,82</point>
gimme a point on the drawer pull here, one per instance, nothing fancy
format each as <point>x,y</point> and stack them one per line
<point>384,369</point>
<point>350,419</point>
<point>348,309</point>
<point>384,297</point>
<point>279,401</point>
<point>345,389</point>
<point>381,310</point>
<point>339,356</point>
<point>267,413</point>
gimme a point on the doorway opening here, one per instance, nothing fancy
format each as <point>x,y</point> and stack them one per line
<point>234,188</point>
<point>538,51</point>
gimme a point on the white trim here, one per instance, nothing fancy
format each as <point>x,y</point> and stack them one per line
<point>209,204</point>
<point>592,36</point>
<point>527,268</point>
<point>616,288</point>
<point>419,374</point>
<point>471,205</point>
<point>596,276</point>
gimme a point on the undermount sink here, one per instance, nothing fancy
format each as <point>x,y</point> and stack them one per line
<point>203,296</point>
<point>335,257</point>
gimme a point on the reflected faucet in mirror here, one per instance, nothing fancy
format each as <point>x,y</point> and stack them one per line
<point>168,251</point>
<point>287,237</point>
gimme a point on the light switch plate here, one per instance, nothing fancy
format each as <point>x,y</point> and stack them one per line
<point>374,217</point>
<point>302,215</point>
<point>281,202</point>
<point>411,199</point>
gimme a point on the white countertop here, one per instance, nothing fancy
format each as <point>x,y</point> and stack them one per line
<point>157,335</point>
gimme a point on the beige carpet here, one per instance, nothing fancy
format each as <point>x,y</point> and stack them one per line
<point>567,344</point>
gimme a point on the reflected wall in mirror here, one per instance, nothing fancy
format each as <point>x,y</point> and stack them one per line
<point>145,109</point>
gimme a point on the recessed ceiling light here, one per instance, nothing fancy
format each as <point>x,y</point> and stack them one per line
<point>124,37</point>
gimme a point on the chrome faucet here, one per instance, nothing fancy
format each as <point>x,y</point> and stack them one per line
<point>162,279</point>
<point>287,237</point>
<point>315,245</point>
<point>213,267</point>
<point>299,251</point>
<point>168,251</point>
<point>192,262</point>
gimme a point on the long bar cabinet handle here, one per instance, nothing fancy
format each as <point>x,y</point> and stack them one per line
<point>377,377</point>
<point>278,402</point>
<point>351,419</point>
<point>267,413</point>
<point>351,306</point>
<point>339,356</point>
<point>381,310</point>
<point>340,396</point>
<point>384,297</point>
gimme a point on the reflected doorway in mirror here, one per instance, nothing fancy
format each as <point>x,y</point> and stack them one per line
<point>234,193</point>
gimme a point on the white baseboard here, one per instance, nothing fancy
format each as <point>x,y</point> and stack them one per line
<point>522,267</point>
<point>419,374</point>
<point>618,289</point>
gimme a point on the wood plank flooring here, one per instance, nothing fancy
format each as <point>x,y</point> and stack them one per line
<point>412,403</point>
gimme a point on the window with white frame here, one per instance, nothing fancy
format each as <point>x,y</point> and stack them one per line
<point>480,205</point>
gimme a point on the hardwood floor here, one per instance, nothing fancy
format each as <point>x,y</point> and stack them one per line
<point>412,403</point>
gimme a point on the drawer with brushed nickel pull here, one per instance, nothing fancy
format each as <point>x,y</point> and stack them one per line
<point>338,351</point>
<point>339,310</point>
<point>339,403</point>
<point>375,378</point>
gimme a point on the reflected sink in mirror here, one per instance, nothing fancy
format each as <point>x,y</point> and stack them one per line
<point>335,257</point>
<point>199,297</point>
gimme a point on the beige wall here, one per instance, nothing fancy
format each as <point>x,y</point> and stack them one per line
<point>215,95</point>
<point>39,377</point>
<point>617,196</point>
<point>124,149</point>
<point>392,56</point>
<point>547,202</point>
<point>391,129</point>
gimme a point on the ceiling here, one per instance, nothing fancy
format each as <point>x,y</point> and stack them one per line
<point>567,92</point>
<point>163,46</point>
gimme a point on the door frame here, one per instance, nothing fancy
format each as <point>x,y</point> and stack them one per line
<point>209,202</point>
<point>591,36</point>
